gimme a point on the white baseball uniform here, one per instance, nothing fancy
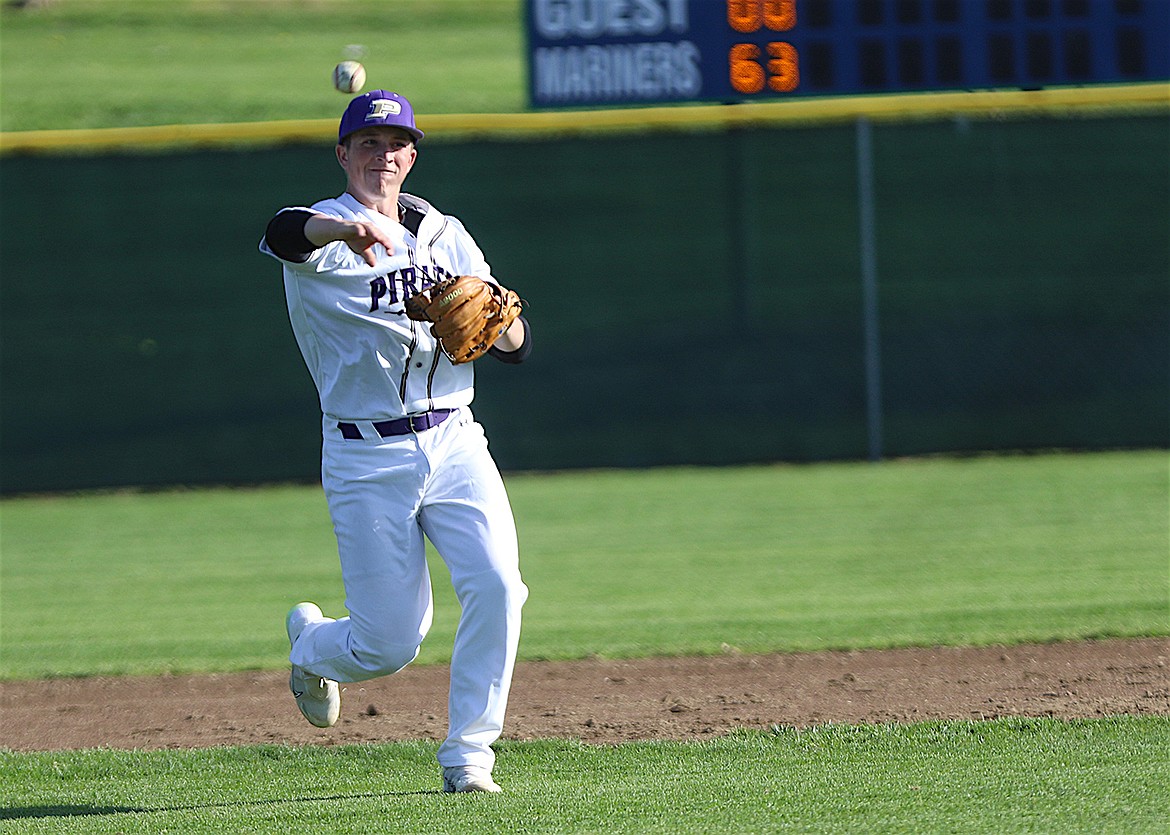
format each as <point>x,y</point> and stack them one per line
<point>373,368</point>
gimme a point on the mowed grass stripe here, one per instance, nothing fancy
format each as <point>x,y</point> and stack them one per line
<point>1019,775</point>
<point>621,564</point>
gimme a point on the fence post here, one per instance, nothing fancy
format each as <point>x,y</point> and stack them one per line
<point>873,365</point>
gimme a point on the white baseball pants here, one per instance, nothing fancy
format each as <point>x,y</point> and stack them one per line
<point>384,495</point>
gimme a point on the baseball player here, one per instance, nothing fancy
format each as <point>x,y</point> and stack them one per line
<point>402,455</point>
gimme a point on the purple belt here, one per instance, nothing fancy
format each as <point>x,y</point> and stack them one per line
<point>399,426</point>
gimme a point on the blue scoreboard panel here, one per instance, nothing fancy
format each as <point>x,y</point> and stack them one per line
<point>608,52</point>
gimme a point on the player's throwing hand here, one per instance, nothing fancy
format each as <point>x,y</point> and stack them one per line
<point>358,236</point>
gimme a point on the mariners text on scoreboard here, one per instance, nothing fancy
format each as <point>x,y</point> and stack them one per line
<point>659,65</point>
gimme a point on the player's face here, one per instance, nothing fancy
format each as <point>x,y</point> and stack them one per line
<point>376,161</point>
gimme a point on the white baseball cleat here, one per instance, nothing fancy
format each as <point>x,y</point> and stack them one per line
<point>318,698</point>
<point>468,778</point>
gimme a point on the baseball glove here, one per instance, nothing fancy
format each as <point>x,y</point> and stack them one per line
<point>467,314</point>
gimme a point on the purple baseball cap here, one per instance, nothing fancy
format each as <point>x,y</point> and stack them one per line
<point>378,107</point>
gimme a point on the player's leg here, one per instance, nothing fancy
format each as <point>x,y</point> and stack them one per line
<point>469,519</point>
<point>373,490</point>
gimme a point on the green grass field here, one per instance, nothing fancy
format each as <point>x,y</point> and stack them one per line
<point>1103,776</point>
<point>121,63</point>
<point>996,549</point>
<point>622,564</point>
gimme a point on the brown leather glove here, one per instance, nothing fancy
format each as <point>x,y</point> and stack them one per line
<point>467,314</point>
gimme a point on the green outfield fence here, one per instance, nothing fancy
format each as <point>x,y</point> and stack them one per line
<point>823,279</point>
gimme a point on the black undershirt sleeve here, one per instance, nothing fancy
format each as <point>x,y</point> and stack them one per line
<point>520,354</point>
<point>286,236</point>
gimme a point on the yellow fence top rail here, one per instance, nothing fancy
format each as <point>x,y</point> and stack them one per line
<point>1145,98</point>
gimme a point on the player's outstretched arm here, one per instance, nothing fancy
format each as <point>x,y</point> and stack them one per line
<point>360,237</point>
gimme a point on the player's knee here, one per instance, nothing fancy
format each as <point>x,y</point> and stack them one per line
<point>499,590</point>
<point>516,593</point>
<point>379,658</point>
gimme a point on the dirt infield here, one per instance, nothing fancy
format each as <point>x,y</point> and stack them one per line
<point>600,701</point>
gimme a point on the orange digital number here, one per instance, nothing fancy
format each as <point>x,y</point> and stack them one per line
<point>779,15</point>
<point>747,76</point>
<point>745,15</point>
<point>783,67</point>
<point>749,15</point>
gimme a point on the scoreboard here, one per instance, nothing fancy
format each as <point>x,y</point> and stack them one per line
<point>609,52</point>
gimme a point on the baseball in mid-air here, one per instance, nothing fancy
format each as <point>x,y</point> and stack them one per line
<point>349,76</point>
